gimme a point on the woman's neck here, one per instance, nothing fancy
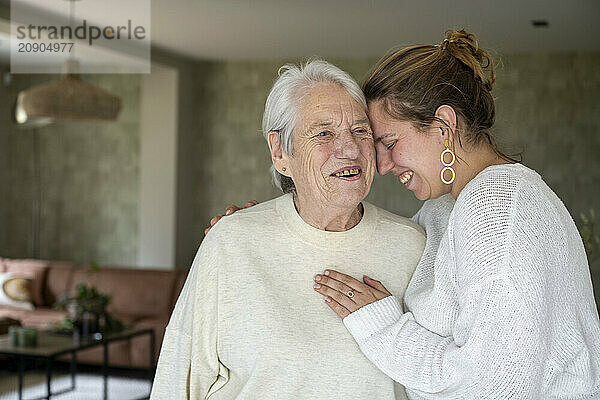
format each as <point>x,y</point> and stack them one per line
<point>328,219</point>
<point>471,163</point>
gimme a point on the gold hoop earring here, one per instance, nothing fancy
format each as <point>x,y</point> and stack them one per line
<point>447,166</point>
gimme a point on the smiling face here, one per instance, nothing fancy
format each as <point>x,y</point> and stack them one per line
<point>333,155</point>
<point>410,154</point>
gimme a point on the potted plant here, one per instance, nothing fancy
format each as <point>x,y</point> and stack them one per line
<point>87,311</point>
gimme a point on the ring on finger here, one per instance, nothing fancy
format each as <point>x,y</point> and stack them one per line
<point>339,286</point>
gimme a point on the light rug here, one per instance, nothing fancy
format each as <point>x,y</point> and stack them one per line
<point>88,387</point>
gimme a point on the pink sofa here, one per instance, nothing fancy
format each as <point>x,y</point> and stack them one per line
<point>141,298</point>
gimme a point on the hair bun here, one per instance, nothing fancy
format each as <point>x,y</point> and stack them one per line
<point>464,47</point>
<point>461,39</point>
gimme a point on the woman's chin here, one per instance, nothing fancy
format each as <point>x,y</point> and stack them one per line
<point>353,201</point>
<point>353,192</point>
<point>421,194</point>
<point>422,197</point>
<point>350,199</point>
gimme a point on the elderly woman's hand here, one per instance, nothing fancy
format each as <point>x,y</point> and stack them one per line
<point>228,211</point>
<point>344,294</point>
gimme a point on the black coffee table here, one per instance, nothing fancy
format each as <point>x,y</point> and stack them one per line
<point>50,346</point>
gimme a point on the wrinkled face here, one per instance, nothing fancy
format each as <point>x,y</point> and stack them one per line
<point>333,155</point>
<point>410,154</point>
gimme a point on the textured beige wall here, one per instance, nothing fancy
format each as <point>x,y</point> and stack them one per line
<point>5,123</point>
<point>89,181</point>
<point>549,105</point>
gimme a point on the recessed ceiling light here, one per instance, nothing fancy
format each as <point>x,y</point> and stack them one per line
<point>540,23</point>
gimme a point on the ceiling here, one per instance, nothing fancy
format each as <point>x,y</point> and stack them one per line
<point>267,29</point>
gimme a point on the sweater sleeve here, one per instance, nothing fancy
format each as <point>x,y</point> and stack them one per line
<point>188,366</point>
<point>496,350</point>
<point>500,357</point>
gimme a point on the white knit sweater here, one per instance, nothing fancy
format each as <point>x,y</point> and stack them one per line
<point>501,304</point>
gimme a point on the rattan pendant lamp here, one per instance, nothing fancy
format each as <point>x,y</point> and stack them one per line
<point>68,98</point>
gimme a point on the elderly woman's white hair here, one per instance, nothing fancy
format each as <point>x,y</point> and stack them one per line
<point>281,107</point>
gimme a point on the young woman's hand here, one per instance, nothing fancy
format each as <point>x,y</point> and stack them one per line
<point>228,211</point>
<point>344,294</point>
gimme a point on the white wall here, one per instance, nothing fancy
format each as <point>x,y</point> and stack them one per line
<point>158,160</point>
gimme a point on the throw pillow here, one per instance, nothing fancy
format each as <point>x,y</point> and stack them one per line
<point>15,290</point>
<point>34,269</point>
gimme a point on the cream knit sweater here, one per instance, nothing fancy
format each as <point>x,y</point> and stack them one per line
<point>501,304</point>
<point>248,324</point>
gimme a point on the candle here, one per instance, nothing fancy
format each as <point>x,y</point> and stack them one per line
<point>13,335</point>
<point>27,337</point>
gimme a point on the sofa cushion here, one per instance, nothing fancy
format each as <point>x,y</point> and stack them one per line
<point>141,293</point>
<point>36,270</point>
<point>140,345</point>
<point>59,281</point>
<point>179,282</point>
<point>38,318</point>
<point>134,292</point>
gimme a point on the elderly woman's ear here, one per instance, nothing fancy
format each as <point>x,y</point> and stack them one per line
<point>277,154</point>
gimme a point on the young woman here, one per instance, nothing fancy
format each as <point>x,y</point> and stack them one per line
<point>501,304</point>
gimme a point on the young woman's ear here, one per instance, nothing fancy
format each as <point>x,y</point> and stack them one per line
<point>448,115</point>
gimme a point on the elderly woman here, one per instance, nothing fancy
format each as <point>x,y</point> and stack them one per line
<point>501,304</point>
<point>245,325</point>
